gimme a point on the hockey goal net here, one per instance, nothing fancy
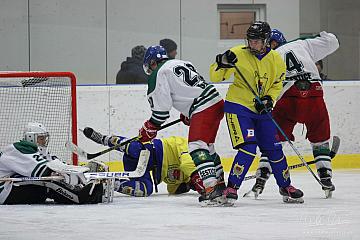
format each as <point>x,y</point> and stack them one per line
<point>44,97</point>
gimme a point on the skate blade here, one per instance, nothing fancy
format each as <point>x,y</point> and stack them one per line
<point>328,194</point>
<point>257,193</point>
<point>287,199</point>
<point>247,194</point>
<point>218,202</point>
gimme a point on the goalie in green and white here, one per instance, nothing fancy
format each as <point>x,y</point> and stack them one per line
<point>30,159</point>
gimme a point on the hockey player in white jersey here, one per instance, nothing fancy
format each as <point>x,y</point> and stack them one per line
<point>176,83</point>
<point>30,158</point>
<point>301,101</point>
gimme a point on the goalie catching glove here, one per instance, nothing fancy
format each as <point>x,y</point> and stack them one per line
<point>148,131</point>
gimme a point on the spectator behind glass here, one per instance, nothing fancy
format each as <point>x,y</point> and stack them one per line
<point>131,71</point>
<point>319,65</point>
<point>170,47</point>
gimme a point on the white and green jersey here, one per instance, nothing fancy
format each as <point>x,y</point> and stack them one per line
<point>21,158</point>
<point>300,57</point>
<point>176,83</point>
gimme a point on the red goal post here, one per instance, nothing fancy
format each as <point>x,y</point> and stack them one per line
<point>44,97</point>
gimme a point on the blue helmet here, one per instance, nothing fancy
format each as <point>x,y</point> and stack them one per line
<point>154,54</point>
<point>277,36</point>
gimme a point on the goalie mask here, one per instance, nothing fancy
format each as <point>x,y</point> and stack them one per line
<point>37,134</point>
<point>154,54</point>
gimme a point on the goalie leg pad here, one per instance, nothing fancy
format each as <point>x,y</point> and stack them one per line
<point>26,193</point>
<point>65,194</point>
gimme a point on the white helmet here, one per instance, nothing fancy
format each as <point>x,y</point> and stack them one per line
<point>35,130</point>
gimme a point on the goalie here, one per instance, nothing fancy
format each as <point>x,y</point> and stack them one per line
<point>30,158</point>
<point>169,162</point>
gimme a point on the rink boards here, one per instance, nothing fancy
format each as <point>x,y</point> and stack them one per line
<point>121,110</point>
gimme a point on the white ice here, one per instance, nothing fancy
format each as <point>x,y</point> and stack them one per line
<point>180,217</point>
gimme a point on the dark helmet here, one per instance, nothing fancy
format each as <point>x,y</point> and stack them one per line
<point>259,30</point>
<point>278,37</point>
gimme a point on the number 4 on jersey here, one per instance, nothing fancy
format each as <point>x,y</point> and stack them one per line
<point>292,63</point>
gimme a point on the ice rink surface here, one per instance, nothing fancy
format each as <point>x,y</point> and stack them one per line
<point>180,217</point>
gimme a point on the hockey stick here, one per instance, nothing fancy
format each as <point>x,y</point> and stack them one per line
<point>257,98</point>
<point>23,179</point>
<point>334,149</point>
<point>333,152</point>
<point>80,152</point>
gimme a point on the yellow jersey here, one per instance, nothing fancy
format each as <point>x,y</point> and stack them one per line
<point>265,76</point>
<point>177,165</point>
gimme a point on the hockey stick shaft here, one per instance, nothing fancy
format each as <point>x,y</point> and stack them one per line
<point>257,98</point>
<point>90,156</point>
<point>23,179</point>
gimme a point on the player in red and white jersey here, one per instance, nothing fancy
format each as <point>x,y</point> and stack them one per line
<point>176,83</point>
<point>301,101</point>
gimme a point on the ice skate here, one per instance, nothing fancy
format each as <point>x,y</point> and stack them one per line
<point>325,179</point>
<point>213,196</point>
<point>94,135</point>
<point>291,194</point>
<point>262,175</point>
<point>230,194</point>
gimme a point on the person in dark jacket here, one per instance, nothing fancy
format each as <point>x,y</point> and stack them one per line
<point>170,47</point>
<point>131,71</point>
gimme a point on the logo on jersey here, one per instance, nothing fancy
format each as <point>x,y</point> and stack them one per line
<point>238,170</point>
<point>261,80</point>
<point>250,133</point>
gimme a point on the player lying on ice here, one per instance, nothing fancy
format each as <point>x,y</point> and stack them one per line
<point>169,162</point>
<point>25,165</point>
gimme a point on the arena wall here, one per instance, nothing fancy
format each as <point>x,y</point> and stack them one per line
<point>121,110</point>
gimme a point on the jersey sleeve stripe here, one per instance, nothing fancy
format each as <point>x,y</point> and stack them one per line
<point>158,117</point>
<point>36,169</point>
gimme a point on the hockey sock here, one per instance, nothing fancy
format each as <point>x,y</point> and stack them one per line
<point>205,166</point>
<point>279,167</point>
<point>241,164</point>
<point>218,167</point>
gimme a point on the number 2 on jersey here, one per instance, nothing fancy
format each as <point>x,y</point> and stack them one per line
<point>189,78</point>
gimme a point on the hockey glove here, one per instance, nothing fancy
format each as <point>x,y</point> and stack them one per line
<point>148,131</point>
<point>266,104</point>
<point>226,60</point>
<point>74,178</point>
<point>184,119</point>
<point>196,183</point>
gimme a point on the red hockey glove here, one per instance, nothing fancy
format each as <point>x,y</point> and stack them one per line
<point>148,131</point>
<point>184,119</point>
<point>196,183</point>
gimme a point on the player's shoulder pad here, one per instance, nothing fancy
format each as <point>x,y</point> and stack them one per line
<point>26,147</point>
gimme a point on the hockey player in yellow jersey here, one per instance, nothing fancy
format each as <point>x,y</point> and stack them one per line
<point>169,162</point>
<point>248,121</point>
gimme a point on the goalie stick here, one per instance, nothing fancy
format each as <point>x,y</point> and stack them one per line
<point>334,149</point>
<point>80,152</point>
<point>138,172</point>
